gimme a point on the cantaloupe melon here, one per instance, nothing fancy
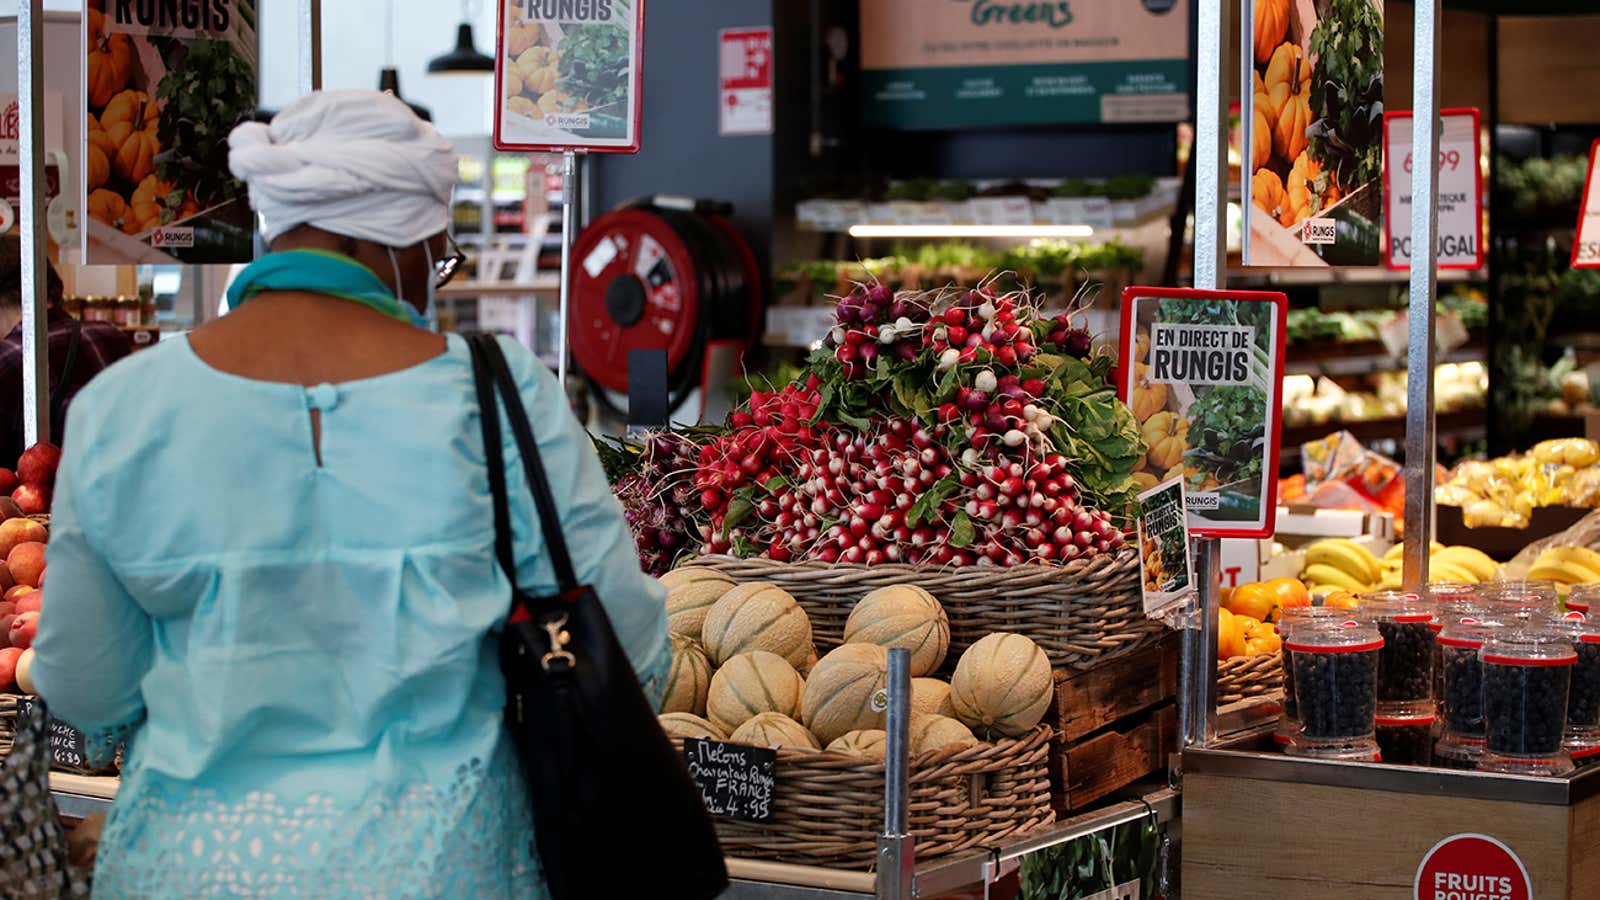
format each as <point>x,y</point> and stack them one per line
<point>691,591</point>
<point>757,616</point>
<point>844,692</point>
<point>688,678</point>
<point>772,729</point>
<point>688,725</point>
<point>902,615</point>
<point>931,697</point>
<point>1002,685</point>
<point>938,732</point>
<point>750,684</point>
<point>861,742</point>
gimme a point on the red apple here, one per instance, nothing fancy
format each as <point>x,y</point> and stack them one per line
<point>19,531</point>
<point>8,667</point>
<point>21,590</point>
<point>26,562</point>
<point>32,601</point>
<point>8,481</point>
<point>38,464</point>
<point>33,499</point>
<point>24,630</point>
<point>5,630</point>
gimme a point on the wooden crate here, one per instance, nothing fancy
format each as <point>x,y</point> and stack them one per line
<point>1115,724</point>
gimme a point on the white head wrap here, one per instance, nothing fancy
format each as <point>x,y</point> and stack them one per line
<point>356,163</point>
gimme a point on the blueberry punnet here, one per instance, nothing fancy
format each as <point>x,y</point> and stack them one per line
<point>1406,742</point>
<point>1335,680</point>
<point>1463,678</point>
<point>1526,676</point>
<point>1405,665</point>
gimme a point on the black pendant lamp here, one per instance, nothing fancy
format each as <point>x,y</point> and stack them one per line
<point>389,81</point>
<point>464,59</point>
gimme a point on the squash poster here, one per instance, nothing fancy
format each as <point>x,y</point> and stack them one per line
<point>165,83</point>
<point>1313,133</point>
<point>1203,374</point>
<point>567,75</point>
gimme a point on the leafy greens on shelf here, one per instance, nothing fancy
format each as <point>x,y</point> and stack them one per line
<point>202,101</point>
<point>1227,425</point>
<point>1347,91</point>
<point>594,64</point>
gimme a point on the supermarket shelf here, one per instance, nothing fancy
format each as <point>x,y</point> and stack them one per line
<point>754,880</point>
<point>543,284</point>
<point>78,796</point>
<point>1467,423</point>
<point>1317,275</point>
<point>1358,357</point>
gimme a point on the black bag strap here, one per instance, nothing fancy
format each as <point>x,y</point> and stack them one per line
<point>490,370</point>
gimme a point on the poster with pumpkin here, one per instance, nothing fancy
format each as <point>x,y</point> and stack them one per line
<point>164,85</point>
<point>1313,133</point>
<point>568,76</point>
<point>1204,378</point>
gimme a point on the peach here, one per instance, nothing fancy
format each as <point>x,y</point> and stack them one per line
<point>5,629</point>
<point>18,591</point>
<point>19,531</point>
<point>7,608</point>
<point>24,630</point>
<point>33,499</point>
<point>9,657</point>
<point>33,601</point>
<point>26,562</point>
<point>38,464</point>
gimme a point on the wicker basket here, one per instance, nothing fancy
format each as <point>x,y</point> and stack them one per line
<point>1248,676</point>
<point>828,807</point>
<point>1080,613</point>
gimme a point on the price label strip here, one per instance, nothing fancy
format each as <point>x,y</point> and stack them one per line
<point>1586,249</point>
<point>735,780</point>
<point>1460,232</point>
<point>69,747</point>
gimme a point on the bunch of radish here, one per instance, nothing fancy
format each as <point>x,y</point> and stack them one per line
<point>873,320</point>
<point>981,328</point>
<point>762,443</point>
<point>660,501</point>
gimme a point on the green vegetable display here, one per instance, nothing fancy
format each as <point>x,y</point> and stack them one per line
<point>202,100</point>
<point>1347,91</point>
<point>594,64</point>
<point>1228,425</point>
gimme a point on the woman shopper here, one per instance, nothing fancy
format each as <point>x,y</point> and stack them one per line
<point>272,557</point>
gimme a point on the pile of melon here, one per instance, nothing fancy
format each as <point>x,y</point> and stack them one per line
<point>745,670</point>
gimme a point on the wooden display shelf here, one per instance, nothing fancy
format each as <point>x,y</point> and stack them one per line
<point>1263,825</point>
<point>1115,724</point>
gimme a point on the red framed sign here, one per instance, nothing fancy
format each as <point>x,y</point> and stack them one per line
<point>568,76</point>
<point>1206,386</point>
<point>1460,234</point>
<point>1586,249</point>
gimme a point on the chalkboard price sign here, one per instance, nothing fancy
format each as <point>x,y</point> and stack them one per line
<point>735,780</point>
<point>68,746</point>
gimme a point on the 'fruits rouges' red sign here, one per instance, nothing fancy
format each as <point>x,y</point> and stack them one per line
<point>1472,867</point>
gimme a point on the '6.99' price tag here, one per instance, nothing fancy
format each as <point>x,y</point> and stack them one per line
<point>1460,232</point>
<point>1586,249</point>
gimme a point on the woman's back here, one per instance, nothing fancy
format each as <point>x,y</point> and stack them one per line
<point>296,589</point>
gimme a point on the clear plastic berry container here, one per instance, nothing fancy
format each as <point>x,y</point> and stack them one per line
<point>1521,601</point>
<point>1336,685</point>
<point>1448,611</point>
<point>1463,676</point>
<point>1406,741</point>
<point>1527,674</point>
<point>1405,664</point>
<point>1293,617</point>
<point>1581,598</point>
<point>1582,740</point>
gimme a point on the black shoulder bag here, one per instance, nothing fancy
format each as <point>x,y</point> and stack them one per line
<point>595,758</point>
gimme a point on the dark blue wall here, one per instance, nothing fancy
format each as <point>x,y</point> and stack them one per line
<point>681,151</point>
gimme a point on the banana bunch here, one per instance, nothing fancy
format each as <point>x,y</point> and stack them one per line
<point>1340,564</point>
<point>1467,565</point>
<point>1567,566</point>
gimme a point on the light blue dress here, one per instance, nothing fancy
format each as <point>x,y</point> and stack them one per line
<point>303,656</point>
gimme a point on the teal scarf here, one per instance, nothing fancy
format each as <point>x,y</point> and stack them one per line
<point>318,272</point>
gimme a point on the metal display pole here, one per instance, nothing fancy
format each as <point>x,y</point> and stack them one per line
<point>569,224</point>
<point>1210,160</point>
<point>30,143</point>
<point>1421,445</point>
<point>310,45</point>
<point>896,847</point>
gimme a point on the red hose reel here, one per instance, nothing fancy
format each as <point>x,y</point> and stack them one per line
<point>648,277</point>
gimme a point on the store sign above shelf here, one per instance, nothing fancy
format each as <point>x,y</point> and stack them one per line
<point>1460,186</point>
<point>1586,249</point>
<point>568,76</point>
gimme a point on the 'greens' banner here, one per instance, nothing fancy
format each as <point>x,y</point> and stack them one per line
<point>958,63</point>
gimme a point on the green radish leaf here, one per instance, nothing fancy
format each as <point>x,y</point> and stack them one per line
<point>961,531</point>
<point>775,484</point>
